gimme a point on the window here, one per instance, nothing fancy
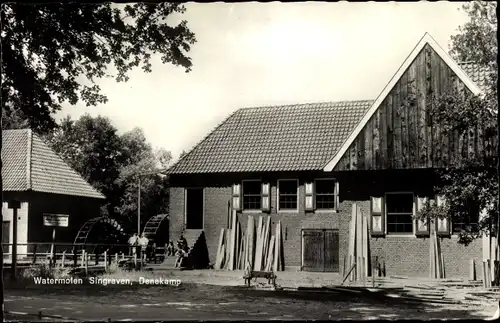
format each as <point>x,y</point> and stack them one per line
<point>325,194</point>
<point>471,220</point>
<point>399,212</point>
<point>252,191</point>
<point>288,194</point>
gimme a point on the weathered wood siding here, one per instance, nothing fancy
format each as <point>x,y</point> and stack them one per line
<point>401,134</point>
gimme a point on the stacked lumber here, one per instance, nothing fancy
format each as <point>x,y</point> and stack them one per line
<point>436,258</point>
<point>257,248</point>
<point>357,263</point>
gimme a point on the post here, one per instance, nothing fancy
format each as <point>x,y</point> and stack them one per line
<point>52,245</point>
<point>14,205</point>
<point>63,259</point>
<point>116,258</point>
<point>105,260</point>
<point>83,258</point>
<point>139,206</point>
<point>86,257</point>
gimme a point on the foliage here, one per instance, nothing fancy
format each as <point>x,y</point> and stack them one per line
<point>472,185</point>
<point>112,163</point>
<point>45,271</point>
<point>53,53</point>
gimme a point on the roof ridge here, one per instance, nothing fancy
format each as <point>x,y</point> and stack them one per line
<point>303,104</point>
<point>28,158</point>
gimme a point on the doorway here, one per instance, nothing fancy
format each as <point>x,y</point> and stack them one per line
<point>194,203</point>
<point>320,250</point>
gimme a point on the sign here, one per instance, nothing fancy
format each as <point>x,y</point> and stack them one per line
<point>55,220</point>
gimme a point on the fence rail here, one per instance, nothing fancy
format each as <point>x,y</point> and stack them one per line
<point>78,255</point>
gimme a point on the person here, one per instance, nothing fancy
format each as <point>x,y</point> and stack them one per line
<point>133,241</point>
<point>182,243</point>
<point>143,243</point>
<point>181,254</point>
<point>170,249</point>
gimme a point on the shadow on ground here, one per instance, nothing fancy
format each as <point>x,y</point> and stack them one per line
<point>189,301</point>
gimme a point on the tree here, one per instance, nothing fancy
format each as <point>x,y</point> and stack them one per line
<point>54,53</point>
<point>471,187</point>
<point>94,149</point>
<point>144,163</point>
<point>112,164</point>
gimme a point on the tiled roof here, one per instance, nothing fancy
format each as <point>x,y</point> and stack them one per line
<point>29,163</point>
<point>477,73</point>
<point>282,138</point>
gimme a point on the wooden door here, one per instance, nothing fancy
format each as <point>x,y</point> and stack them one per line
<point>6,236</point>
<point>313,250</point>
<point>320,250</point>
<point>331,262</point>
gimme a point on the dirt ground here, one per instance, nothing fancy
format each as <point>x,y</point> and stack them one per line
<point>210,294</point>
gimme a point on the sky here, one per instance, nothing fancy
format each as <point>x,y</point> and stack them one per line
<point>259,54</point>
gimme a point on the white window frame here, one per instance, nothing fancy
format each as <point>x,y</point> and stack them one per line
<point>296,210</point>
<point>259,210</point>
<point>400,234</point>
<point>185,206</point>
<point>316,210</point>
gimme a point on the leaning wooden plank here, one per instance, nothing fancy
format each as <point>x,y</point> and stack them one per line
<point>258,245</point>
<point>472,270</point>
<point>365,243</point>
<point>359,241</point>
<point>348,273</point>
<point>276,248</point>
<point>251,241</point>
<point>431,251</point>
<point>352,241</point>
<point>270,254</point>
<point>484,274</point>
<point>232,253</point>
<point>265,241</point>
<point>247,236</point>
<point>229,247</point>
<point>237,238</point>
<point>219,249</point>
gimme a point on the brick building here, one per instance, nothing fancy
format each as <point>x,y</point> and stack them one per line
<point>306,164</point>
<point>35,175</point>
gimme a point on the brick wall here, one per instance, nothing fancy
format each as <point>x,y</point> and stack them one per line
<point>402,255</point>
<point>216,216</point>
<point>409,256</point>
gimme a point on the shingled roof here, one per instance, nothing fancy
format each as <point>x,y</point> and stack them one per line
<point>30,164</point>
<point>279,138</point>
<point>477,73</point>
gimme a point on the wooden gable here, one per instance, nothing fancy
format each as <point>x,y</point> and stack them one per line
<point>400,133</point>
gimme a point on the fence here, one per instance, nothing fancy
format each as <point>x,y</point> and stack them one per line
<point>75,255</point>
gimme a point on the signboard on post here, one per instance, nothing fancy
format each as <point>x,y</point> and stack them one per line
<point>55,220</point>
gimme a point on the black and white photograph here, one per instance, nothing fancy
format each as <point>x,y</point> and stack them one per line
<point>249,161</point>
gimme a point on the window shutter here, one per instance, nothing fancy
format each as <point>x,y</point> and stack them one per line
<point>309,196</point>
<point>337,200</point>
<point>442,225</point>
<point>377,211</point>
<point>421,225</point>
<point>236,197</point>
<point>265,200</point>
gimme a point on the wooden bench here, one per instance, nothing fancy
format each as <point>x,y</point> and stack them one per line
<point>269,275</point>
